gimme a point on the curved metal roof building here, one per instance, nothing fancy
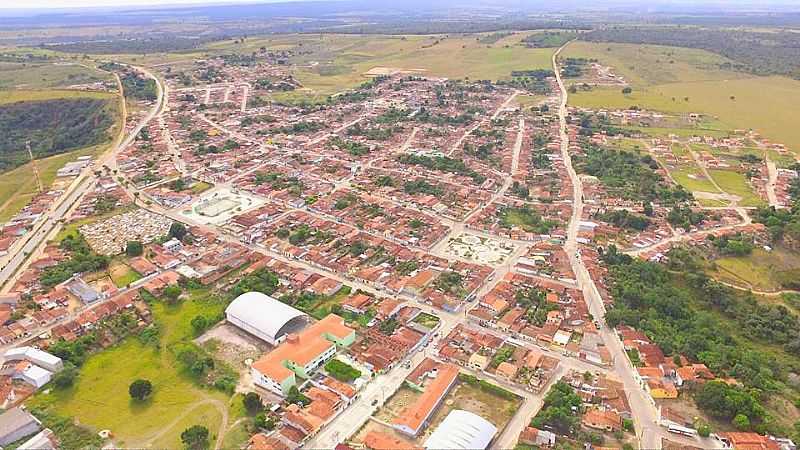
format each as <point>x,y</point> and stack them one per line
<point>264,317</point>
<point>461,430</point>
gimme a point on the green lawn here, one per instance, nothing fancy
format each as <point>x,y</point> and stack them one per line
<point>735,183</point>
<point>427,320</point>
<point>200,187</point>
<point>100,399</point>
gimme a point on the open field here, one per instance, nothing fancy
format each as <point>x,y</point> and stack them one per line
<point>19,95</point>
<point>47,75</point>
<point>18,186</point>
<point>121,274</point>
<point>693,180</point>
<point>735,183</point>
<point>663,78</point>
<point>338,62</point>
<point>762,270</point>
<point>99,399</point>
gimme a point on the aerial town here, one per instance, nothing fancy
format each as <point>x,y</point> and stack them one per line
<point>419,262</point>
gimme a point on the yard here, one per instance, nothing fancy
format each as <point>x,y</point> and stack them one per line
<point>121,274</point>
<point>99,399</point>
<point>469,397</point>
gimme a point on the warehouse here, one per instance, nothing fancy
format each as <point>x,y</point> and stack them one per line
<point>462,430</point>
<point>264,317</point>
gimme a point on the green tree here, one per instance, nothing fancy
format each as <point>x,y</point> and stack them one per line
<point>140,389</point>
<point>252,403</point>
<point>264,422</point>
<point>741,422</point>
<point>295,396</point>
<point>66,377</point>
<point>199,324</point>
<point>134,248</point>
<point>177,230</point>
<point>172,293</point>
<point>704,430</point>
<point>195,437</point>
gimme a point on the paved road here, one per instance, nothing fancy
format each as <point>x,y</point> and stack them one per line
<point>643,409</point>
<point>78,189</point>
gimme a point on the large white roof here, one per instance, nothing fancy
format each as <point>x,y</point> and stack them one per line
<point>32,354</point>
<point>262,312</point>
<point>461,430</point>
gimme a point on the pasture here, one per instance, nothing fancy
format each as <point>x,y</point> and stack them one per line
<point>679,80</point>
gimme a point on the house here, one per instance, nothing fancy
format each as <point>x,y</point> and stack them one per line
<point>83,291</point>
<point>747,441</point>
<point>601,419</point>
<point>478,361</point>
<point>507,370</point>
<point>536,437</point>
<point>662,389</point>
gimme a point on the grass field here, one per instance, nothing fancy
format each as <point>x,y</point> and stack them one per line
<point>18,186</point>
<point>698,183</point>
<point>761,270</point>
<point>338,62</point>
<point>47,75</point>
<point>18,95</point>
<point>100,397</point>
<point>678,80</point>
<point>735,183</point>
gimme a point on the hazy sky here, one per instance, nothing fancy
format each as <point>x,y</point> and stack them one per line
<point>12,4</point>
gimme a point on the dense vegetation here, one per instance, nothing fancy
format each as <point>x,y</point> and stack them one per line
<point>341,371</point>
<point>561,410</point>
<point>52,127</point>
<point>548,39</point>
<point>622,218</point>
<point>526,218</point>
<point>82,259</point>
<point>138,87</point>
<point>762,53</point>
<point>687,313</point>
<point>784,224</point>
<point>629,176</point>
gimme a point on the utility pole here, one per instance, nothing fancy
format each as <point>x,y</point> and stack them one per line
<point>35,168</point>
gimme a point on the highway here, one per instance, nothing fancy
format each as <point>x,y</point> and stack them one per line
<point>76,191</point>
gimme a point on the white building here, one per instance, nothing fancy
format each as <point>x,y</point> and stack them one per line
<point>35,356</point>
<point>462,430</point>
<point>264,317</point>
